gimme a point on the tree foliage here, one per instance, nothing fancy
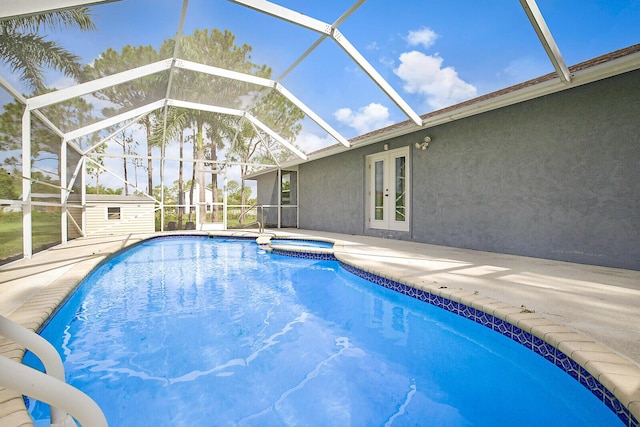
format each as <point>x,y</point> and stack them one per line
<point>131,94</point>
<point>27,53</point>
<point>45,145</point>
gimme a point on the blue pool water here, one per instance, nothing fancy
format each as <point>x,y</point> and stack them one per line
<point>204,332</point>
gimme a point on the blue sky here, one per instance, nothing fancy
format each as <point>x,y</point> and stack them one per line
<point>433,53</point>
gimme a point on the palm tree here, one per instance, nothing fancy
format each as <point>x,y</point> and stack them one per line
<point>177,122</point>
<point>134,93</point>
<point>216,48</point>
<point>27,53</point>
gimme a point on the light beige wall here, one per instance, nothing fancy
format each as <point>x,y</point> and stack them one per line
<point>134,218</point>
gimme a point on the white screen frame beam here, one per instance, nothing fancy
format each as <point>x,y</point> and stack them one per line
<point>546,38</point>
<point>327,29</point>
<point>14,8</point>
<point>81,89</point>
<point>261,81</point>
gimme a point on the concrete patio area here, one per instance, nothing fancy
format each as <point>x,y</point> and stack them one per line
<point>591,313</point>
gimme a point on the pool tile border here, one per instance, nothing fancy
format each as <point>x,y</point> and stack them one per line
<point>526,328</point>
<point>308,253</point>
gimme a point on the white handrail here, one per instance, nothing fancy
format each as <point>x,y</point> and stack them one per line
<point>50,387</point>
<point>260,223</point>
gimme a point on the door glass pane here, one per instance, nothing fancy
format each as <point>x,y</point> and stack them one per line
<point>379,190</point>
<point>400,202</point>
<point>286,189</point>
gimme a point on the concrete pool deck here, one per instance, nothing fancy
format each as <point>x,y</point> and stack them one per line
<point>590,313</point>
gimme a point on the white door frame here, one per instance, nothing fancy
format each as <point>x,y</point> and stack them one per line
<point>388,190</point>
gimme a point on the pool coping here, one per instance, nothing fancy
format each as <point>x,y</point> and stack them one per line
<point>608,375</point>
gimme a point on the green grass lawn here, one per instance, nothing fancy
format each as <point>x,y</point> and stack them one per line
<point>46,233</point>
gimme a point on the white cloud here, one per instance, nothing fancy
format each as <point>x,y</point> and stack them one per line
<point>424,36</point>
<point>424,75</point>
<point>371,117</point>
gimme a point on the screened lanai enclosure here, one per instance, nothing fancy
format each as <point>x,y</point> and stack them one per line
<point>157,111</point>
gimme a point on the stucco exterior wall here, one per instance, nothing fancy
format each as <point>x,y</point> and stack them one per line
<point>267,194</point>
<point>557,177</point>
<point>331,193</point>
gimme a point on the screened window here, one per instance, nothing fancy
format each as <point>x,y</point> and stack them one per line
<point>113,213</point>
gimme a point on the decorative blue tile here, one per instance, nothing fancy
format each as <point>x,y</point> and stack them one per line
<point>505,328</point>
<point>306,255</point>
<point>467,312</point>
<point>485,319</point>
<point>567,364</point>
<point>422,295</point>
<point>594,386</point>
<point>633,421</point>
<point>614,404</point>
<point>522,337</point>
<point>448,305</point>
<point>544,349</point>
<point>456,307</point>
<point>585,378</point>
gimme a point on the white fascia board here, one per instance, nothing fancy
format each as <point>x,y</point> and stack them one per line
<point>96,85</point>
<point>546,38</point>
<point>275,136</point>
<point>375,76</point>
<point>286,14</point>
<point>204,107</point>
<point>313,116</point>
<point>112,121</point>
<point>15,8</point>
<point>220,72</point>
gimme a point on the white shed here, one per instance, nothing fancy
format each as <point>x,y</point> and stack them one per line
<point>108,214</point>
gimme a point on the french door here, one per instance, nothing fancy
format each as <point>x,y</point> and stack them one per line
<point>388,190</point>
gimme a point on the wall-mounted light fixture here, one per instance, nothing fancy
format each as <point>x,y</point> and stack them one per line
<point>424,144</point>
<point>385,147</point>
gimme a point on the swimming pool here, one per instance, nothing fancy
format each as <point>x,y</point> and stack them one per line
<point>198,331</point>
